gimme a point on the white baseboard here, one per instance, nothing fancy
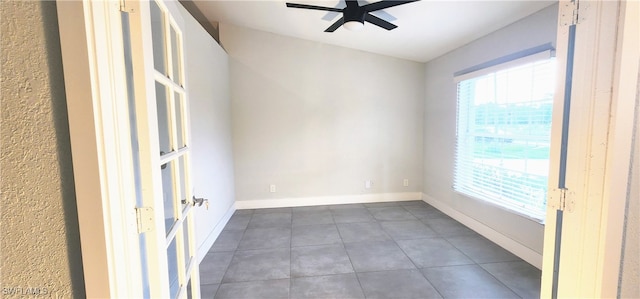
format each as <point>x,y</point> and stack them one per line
<point>530,256</point>
<point>326,200</point>
<point>213,235</point>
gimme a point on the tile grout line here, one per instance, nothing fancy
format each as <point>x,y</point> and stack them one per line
<point>290,256</point>
<point>344,247</point>
<point>414,263</point>
<point>499,280</point>
<point>381,229</point>
<point>234,254</point>
<point>475,263</point>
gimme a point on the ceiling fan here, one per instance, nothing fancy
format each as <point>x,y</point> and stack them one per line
<point>354,15</point>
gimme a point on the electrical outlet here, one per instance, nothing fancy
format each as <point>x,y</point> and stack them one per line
<point>405,182</point>
<point>367,184</point>
<point>272,188</point>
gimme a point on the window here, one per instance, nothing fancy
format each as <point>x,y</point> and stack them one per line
<point>503,136</point>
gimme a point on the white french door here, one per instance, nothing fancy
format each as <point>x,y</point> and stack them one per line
<point>168,249</point>
<point>129,125</point>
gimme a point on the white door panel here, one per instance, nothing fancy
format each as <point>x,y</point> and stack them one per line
<point>128,104</point>
<point>162,100</point>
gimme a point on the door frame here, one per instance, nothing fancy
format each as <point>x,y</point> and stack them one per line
<point>96,92</point>
<point>603,91</point>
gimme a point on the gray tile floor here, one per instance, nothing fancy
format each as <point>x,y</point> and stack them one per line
<point>380,250</point>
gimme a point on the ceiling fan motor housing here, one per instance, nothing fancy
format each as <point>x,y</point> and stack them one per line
<point>354,13</point>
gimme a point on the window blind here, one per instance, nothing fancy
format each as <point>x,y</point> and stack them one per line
<point>503,136</point>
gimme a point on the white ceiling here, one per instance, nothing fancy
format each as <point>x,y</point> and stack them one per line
<point>426,29</point>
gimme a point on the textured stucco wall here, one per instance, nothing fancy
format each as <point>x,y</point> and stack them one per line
<point>40,245</point>
<point>630,272</point>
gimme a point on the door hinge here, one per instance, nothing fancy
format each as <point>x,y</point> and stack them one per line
<point>562,199</point>
<point>145,219</point>
<point>124,7</point>
<point>572,13</point>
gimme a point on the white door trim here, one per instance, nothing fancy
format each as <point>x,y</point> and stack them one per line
<point>625,91</point>
<point>604,86</point>
<point>95,84</point>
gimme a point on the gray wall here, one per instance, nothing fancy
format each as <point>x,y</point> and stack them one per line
<point>207,75</point>
<point>440,122</point>
<point>319,120</point>
<point>39,223</point>
<point>630,268</point>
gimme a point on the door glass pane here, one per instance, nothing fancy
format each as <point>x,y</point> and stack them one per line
<point>158,38</point>
<point>163,118</point>
<point>183,181</point>
<point>187,255</point>
<point>172,259</point>
<point>175,60</point>
<point>189,295</point>
<point>179,105</point>
<point>168,194</point>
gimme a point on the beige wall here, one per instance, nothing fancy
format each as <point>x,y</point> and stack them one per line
<point>40,244</point>
<point>630,269</point>
<point>440,122</point>
<point>40,241</point>
<point>320,120</point>
<point>207,74</point>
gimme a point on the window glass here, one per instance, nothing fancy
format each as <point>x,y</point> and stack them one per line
<point>503,137</point>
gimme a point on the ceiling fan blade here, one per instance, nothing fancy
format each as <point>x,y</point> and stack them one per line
<point>352,3</point>
<point>335,25</point>
<point>305,6</point>
<point>329,16</point>
<point>385,4</point>
<point>379,22</point>
<point>383,15</point>
<point>378,13</point>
